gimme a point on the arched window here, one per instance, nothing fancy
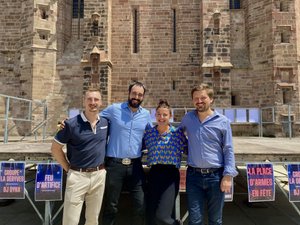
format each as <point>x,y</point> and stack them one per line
<point>234,4</point>
<point>217,26</point>
<point>44,15</point>
<point>284,6</point>
<point>77,9</point>
<point>136,28</point>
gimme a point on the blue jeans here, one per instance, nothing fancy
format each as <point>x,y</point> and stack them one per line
<point>204,189</point>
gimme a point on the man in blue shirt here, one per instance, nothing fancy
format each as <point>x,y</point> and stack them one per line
<point>123,158</point>
<point>211,163</point>
<point>85,136</point>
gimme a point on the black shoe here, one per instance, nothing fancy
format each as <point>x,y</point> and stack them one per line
<point>178,222</point>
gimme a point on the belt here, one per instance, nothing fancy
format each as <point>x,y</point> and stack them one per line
<point>205,170</point>
<point>90,169</point>
<point>124,161</point>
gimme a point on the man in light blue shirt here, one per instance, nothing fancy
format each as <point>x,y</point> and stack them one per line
<point>211,163</point>
<point>123,158</point>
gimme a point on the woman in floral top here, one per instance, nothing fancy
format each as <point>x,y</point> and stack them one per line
<point>165,145</point>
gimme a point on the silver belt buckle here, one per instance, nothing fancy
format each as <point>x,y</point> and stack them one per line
<point>126,161</point>
<point>204,171</point>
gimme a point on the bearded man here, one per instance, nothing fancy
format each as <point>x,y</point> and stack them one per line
<point>211,163</point>
<point>123,158</point>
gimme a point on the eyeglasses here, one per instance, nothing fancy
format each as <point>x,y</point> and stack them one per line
<point>140,95</point>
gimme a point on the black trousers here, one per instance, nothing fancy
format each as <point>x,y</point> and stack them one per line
<point>132,178</point>
<point>163,187</point>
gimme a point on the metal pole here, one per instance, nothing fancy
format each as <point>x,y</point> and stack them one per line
<point>6,121</point>
<point>57,213</point>
<point>45,118</point>
<point>30,110</point>
<point>289,121</point>
<point>33,205</point>
<point>177,206</point>
<point>47,220</point>
<point>260,123</point>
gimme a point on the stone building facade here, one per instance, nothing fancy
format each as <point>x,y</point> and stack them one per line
<point>248,50</point>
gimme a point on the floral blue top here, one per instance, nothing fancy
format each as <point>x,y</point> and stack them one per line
<point>165,148</point>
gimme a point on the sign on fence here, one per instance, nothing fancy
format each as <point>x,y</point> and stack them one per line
<point>294,182</point>
<point>12,180</point>
<point>48,185</point>
<point>260,179</point>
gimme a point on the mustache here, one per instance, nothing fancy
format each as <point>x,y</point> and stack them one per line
<point>135,99</point>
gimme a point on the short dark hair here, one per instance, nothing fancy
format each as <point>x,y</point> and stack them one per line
<point>203,87</point>
<point>164,104</point>
<point>136,83</point>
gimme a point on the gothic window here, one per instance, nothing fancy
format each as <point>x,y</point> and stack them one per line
<point>287,95</point>
<point>95,27</point>
<point>174,85</point>
<point>44,14</point>
<point>43,11</point>
<point>135,35</point>
<point>217,26</point>
<point>284,6</point>
<point>283,34</point>
<point>210,48</point>
<point>235,99</point>
<point>43,34</point>
<point>174,47</point>
<point>234,4</point>
<point>217,81</point>
<point>285,75</point>
<point>78,6</point>
<point>284,37</point>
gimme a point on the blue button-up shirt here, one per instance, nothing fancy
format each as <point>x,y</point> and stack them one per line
<point>126,130</point>
<point>209,142</point>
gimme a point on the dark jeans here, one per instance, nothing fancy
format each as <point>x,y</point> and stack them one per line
<point>163,186</point>
<point>204,189</point>
<point>130,177</point>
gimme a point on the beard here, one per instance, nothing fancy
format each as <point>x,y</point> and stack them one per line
<point>202,108</point>
<point>134,104</point>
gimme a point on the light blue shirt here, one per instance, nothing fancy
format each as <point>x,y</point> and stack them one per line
<point>209,142</point>
<point>126,130</point>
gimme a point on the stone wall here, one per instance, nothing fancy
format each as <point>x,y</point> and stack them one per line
<point>164,72</point>
<point>250,55</point>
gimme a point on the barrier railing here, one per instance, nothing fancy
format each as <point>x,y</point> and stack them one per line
<point>21,110</point>
<point>285,115</point>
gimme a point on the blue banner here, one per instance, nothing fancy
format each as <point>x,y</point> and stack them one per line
<point>12,180</point>
<point>48,184</point>
<point>260,179</point>
<point>294,182</point>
